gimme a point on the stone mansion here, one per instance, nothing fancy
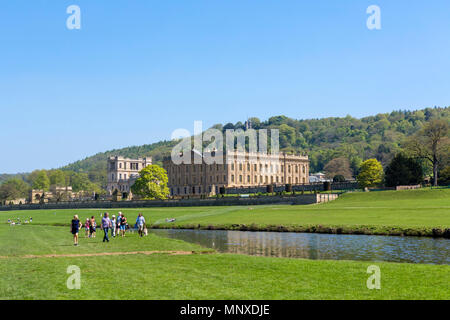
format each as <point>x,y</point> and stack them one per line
<point>236,170</point>
<point>122,173</point>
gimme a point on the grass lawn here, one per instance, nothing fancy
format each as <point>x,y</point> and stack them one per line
<point>216,276</point>
<point>374,212</point>
<point>213,275</point>
<point>24,240</point>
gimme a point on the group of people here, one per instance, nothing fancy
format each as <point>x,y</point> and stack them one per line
<point>118,226</point>
<point>11,222</point>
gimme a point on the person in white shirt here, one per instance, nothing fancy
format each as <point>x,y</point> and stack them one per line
<point>113,226</point>
<point>140,222</point>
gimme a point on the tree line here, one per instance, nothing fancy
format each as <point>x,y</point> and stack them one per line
<point>426,150</point>
<point>331,143</point>
<point>20,186</point>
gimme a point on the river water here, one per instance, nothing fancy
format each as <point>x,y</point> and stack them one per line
<point>319,246</point>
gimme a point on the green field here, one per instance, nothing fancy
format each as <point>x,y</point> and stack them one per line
<point>195,276</point>
<point>217,276</point>
<point>415,212</point>
<point>203,274</point>
<point>25,240</point>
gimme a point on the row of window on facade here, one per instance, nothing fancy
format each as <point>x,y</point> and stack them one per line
<point>120,176</point>
<point>268,179</point>
<point>257,179</point>
<point>201,179</point>
<point>192,190</point>
<point>123,176</point>
<point>266,168</point>
<point>123,188</point>
<point>133,166</point>
<point>234,166</point>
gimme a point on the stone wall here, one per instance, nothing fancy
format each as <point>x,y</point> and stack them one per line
<point>326,197</point>
<point>226,201</point>
<point>408,187</point>
<point>319,186</point>
<point>14,202</point>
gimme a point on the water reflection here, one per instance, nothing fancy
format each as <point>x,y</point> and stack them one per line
<point>319,246</point>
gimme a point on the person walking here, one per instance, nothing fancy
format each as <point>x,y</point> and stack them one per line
<point>140,223</point>
<point>113,226</point>
<point>118,223</point>
<point>123,225</point>
<point>86,228</point>
<point>92,227</point>
<point>76,224</point>
<point>106,224</point>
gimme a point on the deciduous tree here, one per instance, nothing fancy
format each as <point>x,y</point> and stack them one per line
<point>57,177</point>
<point>152,183</point>
<point>338,166</point>
<point>432,144</point>
<point>370,174</point>
<point>40,180</point>
<point>13,189</point>
<point>80,182</point>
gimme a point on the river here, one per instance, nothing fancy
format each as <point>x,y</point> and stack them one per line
<point>319,246</point>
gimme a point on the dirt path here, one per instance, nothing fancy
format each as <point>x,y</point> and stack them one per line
<point>107,254</point>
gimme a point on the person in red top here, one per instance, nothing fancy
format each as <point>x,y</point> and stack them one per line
<point>86,228</point>
<point>92,227</point>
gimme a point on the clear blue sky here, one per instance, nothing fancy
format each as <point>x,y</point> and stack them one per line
<point>139,69</point>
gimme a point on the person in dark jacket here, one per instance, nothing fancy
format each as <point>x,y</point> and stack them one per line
<point>76,224</point>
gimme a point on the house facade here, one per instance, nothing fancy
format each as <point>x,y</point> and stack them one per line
<point>236,169</point>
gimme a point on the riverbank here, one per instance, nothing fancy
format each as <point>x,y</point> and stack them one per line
<point>165,276</point>
<point>422,212</point>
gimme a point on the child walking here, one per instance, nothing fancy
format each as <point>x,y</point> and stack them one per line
<point>86,229</point>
